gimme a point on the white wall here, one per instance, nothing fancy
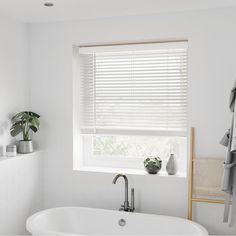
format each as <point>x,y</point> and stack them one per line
<point>212,64</point>
<point>14,86</point>
<point>19,177</point>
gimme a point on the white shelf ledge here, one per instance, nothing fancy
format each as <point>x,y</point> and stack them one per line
<point>20,156</point>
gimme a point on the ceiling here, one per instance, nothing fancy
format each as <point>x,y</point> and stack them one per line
<point>67,10</point>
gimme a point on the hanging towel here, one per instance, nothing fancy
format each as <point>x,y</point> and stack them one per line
<point>229,177</point>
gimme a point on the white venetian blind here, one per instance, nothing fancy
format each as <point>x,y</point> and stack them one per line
<point>129,89</point>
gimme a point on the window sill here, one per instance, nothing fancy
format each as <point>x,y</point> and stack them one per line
<point>129,171</point>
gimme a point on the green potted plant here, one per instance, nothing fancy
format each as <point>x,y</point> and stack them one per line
<point>152,164</point>
<point>24,122</point>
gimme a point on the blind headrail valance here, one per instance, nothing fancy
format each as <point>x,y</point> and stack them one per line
<point>88,49</point>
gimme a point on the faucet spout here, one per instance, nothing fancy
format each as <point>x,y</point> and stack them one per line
<point>118,176</point>
<point>126,202</point>
<point>126,206</point>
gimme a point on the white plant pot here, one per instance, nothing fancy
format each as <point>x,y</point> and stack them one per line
<point>25,146</point>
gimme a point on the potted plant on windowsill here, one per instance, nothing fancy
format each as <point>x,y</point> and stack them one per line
<point>153,164</point>
<point>23,122</point>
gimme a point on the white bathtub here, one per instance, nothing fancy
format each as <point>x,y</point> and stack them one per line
<point>90,221</point>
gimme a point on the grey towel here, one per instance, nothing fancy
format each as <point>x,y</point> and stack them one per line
<point>232,108</point>
<point>229,177</point>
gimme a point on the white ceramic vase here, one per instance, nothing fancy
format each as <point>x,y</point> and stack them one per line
<point>171,166</point>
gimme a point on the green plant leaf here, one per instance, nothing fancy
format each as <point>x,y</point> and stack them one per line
<point>17,117</point>
<point>33,128</point>
<point>35,122</point>
<point>16,123</point>
<point>25,116</point>
<point>33,114</point>
<point>16,130</point>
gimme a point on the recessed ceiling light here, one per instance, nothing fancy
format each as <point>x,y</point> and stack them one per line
<point>48,4</point>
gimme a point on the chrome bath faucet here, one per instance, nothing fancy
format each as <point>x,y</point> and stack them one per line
<point>126,206</point>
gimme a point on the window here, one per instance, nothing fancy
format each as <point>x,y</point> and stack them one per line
<point>133,104</point>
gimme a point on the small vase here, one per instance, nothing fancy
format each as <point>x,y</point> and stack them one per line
<point>171,166</point>
<point>25,146</point>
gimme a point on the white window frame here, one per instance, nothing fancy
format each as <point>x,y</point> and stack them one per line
<point>86,162</point>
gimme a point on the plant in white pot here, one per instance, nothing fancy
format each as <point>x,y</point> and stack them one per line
<point>24,122</point>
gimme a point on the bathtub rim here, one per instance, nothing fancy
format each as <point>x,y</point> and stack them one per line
<point>30,220</point>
